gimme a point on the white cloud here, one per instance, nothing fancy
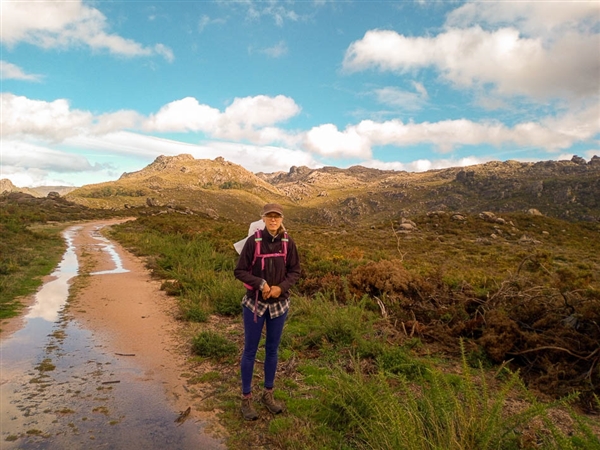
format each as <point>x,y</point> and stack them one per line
<point>165,52</point>
<point>401,99</point>
<point>249,125</point>
<point>253,157</point>
<point>29,164</point>
<point>261,110</point>
<point>55,121</point>
<point>246,118</point>
<point>278,50</point>
<point>326,140</point>
<point>186,114</point>
<point>423,165</point>
<point>49,120</point>
<point>533,18</point>
<point>472,57</point>
<point>10,71</point>
<point>266,159</point>
<point>116,121</point>
<point>552,134</point>
<point>29,155</point>
<point>63,24</point>
<point>205,21</point>
<point>420,89</point>
<point>272,8</point>
<point>37,164</point>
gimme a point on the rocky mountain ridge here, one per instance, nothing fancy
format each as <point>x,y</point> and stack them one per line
<point>563,189</point>
<point>41,191</point>
<point>330,195</point>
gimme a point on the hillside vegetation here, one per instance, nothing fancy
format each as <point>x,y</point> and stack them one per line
<point>454,309</point>
<point>330,196</point>
<point>381,320</point>
<point>216,188</point>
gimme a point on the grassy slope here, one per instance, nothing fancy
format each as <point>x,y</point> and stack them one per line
<point>342,364</point>
<point>336,340</point>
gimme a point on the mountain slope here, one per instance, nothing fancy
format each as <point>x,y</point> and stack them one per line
<point>564,189</point>
<point>329,195</point>
<point>217,187</point>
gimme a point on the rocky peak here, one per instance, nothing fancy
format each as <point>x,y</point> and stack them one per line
<point>6,185</point>
<point>302,170</point>
<point>163,162</point>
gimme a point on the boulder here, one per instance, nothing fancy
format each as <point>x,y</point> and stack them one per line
<point>152,202</point>
<point>534,212</point>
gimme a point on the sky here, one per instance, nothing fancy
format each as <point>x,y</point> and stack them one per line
<point>92,89</point>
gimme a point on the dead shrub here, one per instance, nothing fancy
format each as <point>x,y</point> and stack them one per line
<point>387,277</point>
<point>499,335</point>
<point>328,283</point>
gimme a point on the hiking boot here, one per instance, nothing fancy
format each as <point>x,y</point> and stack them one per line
<point>267,400</point>
<point>248,410</point>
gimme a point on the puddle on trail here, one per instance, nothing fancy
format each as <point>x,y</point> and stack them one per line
<point>60,388</point>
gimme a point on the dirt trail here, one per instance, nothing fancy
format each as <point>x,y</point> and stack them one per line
<point>130,313</point>
<point>134,343</point>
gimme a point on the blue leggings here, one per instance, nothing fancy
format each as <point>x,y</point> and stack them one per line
<point>252,334</point>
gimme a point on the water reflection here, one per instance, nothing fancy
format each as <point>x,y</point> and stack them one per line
<point>53,295</point>
<point>108,247</point>
<point>56,382</point>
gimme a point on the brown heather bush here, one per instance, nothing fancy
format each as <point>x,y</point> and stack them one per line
<point>387,277</point>
<point>331,283</point>
<point>499,335</point>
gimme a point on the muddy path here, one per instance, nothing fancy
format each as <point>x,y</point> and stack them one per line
<point>105,369</point>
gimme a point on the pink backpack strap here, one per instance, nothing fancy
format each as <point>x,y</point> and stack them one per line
<point>257,240</point>
<point>284,240</point>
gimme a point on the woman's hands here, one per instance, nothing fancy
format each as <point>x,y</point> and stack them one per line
<point>270,291</point>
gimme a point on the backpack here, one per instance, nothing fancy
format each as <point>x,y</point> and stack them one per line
<point>257,254</point>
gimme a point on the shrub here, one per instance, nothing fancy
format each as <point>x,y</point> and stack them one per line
<point>378,278</point>
<point>397,361</point>
<point>445,411</point>
<point>319,322</point>
<point>212,345</point>
<point>194,313</point>
<point>226,296</point>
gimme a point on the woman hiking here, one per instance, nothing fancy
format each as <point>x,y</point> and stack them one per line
<point>268,266</point>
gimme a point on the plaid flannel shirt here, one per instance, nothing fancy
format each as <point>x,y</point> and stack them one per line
<point>277,274</point>
<point>275,309</point>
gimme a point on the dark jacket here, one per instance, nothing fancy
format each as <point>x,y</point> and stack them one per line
<point>276,273</point>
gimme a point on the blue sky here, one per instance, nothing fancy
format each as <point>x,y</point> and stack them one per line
<point>94,89</point>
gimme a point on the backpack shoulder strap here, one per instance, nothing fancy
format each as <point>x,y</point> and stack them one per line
<point>284,240</point>
<point>257,242</point>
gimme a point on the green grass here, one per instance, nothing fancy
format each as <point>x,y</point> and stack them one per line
<point>212,345</point>
<point>25,257</point>
<point>198,264</point>
<point>351,378</point>
<point>393,340</point>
